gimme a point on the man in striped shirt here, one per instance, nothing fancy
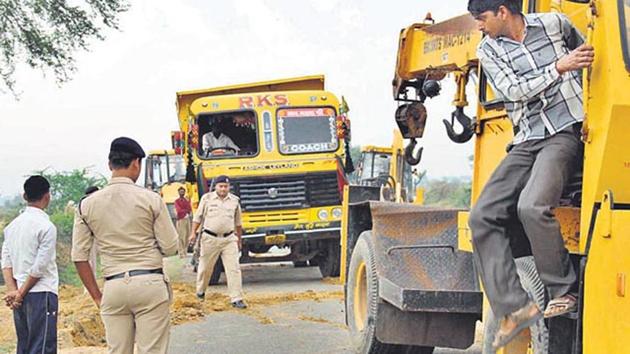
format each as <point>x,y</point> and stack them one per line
<point>533,63</point>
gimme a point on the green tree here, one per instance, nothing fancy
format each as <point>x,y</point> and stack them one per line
<point>69,186</point>
<point>65,186</point>
<point>355,153</point>
<point>448,192</point>
<point>45,34</point>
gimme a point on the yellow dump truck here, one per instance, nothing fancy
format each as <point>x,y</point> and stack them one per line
<point>283,144</point>
<point>165,173</point>
<point>410,282</point>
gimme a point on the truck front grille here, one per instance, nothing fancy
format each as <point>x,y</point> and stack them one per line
<point>287,192</point>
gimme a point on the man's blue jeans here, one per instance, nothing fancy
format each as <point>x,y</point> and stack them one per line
<point>36,323</point>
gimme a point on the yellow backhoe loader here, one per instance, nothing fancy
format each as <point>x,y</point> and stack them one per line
<point>410,283</point>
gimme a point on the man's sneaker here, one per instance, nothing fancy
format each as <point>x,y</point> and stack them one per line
<point>239,304</point>
<point>201,296</point>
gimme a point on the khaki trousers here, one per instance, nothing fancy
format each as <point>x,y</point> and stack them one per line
<point>183,230</point>
<point>227,248</point>
<point>136,310</point>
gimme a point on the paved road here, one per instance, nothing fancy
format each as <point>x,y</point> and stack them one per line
<point>291,327</point>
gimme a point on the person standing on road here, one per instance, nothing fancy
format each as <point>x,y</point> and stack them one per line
<point>30,271</point>
<point>133,230</point>
<point>221,236</point>
<point>183,210</point>
<point>533,64</point>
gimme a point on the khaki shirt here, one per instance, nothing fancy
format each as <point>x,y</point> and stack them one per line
<point>130,225</point>
<point>219,215</point>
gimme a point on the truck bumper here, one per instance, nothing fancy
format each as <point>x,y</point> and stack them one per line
<point>265,235</point>
<point>278,237</point>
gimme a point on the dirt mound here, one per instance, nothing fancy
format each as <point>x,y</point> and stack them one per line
<point>80,325</point>
<point>186,307</point>
<point>79,320</point>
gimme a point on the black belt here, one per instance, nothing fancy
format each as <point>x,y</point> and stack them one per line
<point>215,235</point>
<point>133,273</point>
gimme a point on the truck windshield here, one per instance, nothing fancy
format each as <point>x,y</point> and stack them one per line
<point>177,168</point>
<point>227,135</point>
<point>307,130</point>
<point>624,16</point>
<point>374,168</point>
<point>376,165</point>
<point>162,169</point>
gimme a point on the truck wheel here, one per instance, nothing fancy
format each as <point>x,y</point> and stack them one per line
<point>216,272</point>
<point>328,262</point>
<point>539,333</point>
<point>362,303</point>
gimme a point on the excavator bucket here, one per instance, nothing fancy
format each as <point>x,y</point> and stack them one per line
<point>423,276</point>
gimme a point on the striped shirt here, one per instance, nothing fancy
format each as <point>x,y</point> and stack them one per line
<point>539,101</point>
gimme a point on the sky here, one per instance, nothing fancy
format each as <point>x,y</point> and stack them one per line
<point>125,85</point>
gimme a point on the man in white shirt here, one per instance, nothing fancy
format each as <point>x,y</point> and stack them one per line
<point>30,271</point>
<point>216,139</point>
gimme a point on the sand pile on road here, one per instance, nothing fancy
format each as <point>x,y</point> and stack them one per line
<point>79,320</point>
<point>7,333</point>
<point>80,325</point>
<point>186,307</point>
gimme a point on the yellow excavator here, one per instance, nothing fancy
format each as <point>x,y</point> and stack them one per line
<point>386,168</point>
<point>165,173</point>
<point>409,280</point>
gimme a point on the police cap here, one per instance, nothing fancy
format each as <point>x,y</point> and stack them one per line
<point>221,179</point>
<point>127,145</point>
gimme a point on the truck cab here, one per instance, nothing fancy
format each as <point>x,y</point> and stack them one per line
<point>282,144</point>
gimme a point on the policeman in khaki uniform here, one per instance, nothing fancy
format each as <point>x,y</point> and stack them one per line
<point>220,236</point>
<point>133,231</point>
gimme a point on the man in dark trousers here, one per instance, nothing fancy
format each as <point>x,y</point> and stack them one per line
<point>533,63</point>
<point>30,271</point>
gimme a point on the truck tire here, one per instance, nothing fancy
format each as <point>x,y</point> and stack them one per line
<point>539,333</point>
<point>216,272</point>
<point>362,303</point>
<point>328,260</point>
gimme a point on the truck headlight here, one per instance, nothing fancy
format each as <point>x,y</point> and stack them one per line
<point>322,214</point>
<point>336,213</point>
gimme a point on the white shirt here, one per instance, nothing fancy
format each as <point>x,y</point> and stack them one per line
<point>210,142</point>
<point>29,248</point>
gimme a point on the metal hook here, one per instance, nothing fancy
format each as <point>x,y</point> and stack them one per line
<point>409,155</point>
<point>467,126</point>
